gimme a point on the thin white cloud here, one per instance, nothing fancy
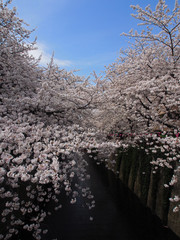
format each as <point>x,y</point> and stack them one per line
<point>42,51</point>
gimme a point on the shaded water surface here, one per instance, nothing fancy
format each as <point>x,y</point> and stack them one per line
<point>118,214</point>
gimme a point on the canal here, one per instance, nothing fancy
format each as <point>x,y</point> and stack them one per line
<point>118,214</point>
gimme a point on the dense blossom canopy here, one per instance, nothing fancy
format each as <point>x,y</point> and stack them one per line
<point>49,117</point>
<point>45,126</point>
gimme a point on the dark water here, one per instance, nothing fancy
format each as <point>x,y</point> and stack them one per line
<point>118,214</point>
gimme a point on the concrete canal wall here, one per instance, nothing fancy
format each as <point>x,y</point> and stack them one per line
<point>135,171</point>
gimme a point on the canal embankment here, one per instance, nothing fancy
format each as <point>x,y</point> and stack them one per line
<point>134,169</point>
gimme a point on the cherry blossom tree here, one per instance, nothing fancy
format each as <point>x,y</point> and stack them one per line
<point>141,94</point>
<point>45,126</point>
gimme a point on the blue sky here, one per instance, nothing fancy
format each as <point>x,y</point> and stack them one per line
<point>84,34</point>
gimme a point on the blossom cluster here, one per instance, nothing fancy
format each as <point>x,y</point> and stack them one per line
<point>162,134</point>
